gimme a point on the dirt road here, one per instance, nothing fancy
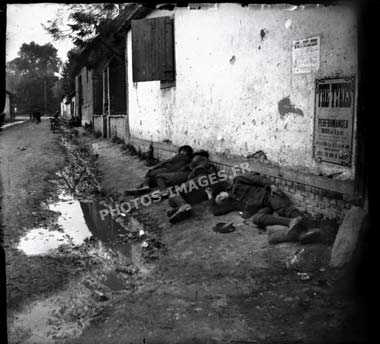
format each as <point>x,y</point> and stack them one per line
<point>178,283</point>
<point>30,155</point>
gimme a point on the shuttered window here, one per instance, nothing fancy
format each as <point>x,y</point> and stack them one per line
<point>105,91</point>
<point>153,49</point>
<point>97,91</point>
<point>117,87</point>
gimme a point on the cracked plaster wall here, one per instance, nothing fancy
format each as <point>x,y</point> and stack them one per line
<point>233,67</point>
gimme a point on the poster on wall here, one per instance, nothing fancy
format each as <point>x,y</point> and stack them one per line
<point>306,55</point>
<point>333,120</point>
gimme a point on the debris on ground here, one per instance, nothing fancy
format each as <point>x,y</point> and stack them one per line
<point>80,175</point>
<point>222,227</point>
<point>304,276</point>
<point>309,259</point>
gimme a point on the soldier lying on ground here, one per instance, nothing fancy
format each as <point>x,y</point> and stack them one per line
<point>173,171</point>
<point>245,194</point>
<point>256,195</point>
<point>253,195</point>
<point>197,165</point>
<point>203,175</point>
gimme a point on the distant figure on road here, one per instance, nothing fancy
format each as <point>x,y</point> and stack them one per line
<point>37,115</point>
<point>54,122</point>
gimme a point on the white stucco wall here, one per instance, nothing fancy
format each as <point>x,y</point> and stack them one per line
<point>7,106</point>
<point>65,109</point>
<point>229,81</point>
<point>98,123</point>
<point>88,100</point>
<point>116,126</point>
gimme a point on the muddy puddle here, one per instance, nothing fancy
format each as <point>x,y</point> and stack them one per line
<point>72,227</point>
<point>79,222</point>
<point>111,262</point>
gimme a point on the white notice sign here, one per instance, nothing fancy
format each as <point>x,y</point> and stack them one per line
<point>306,54</point>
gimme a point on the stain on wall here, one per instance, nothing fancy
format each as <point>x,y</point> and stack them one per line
<point>263,33</point>
<point>285,107</point>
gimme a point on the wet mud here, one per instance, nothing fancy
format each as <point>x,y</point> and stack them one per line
<point>134,278</point>
<point>106,251</point>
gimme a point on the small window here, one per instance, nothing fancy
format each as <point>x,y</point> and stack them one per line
<point>153,49</point>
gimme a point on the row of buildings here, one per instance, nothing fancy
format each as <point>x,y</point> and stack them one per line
<point>68,108</point>
<point>9,110</point>
<point>279,82</point>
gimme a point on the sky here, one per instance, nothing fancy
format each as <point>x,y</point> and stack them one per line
<point>24,26</point>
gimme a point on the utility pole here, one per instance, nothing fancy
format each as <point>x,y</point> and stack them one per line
<point>45,95</point>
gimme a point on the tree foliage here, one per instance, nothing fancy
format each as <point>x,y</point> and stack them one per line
<point>82,22</point>
<point>35,61</point>
<point>32,77</point>
<point>66,84</point>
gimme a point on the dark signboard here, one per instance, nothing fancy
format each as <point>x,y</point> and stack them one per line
<point>334,120</point>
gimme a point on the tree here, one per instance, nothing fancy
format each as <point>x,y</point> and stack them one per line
<point>66,84</point>
<point>32,76</point>
<point>82,22</point>
<point>35,60</point>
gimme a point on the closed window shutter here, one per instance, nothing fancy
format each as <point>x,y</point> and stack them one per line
<point>117,87</point>
<point>153,49</point>
<point>98,92</point>
<point>105,91</point>
<point>169,72</point>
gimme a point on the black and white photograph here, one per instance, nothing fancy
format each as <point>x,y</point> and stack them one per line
<point>186,173</point>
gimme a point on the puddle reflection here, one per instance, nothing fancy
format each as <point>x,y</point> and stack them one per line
<point>109,261</point>
<point>65,314</point>
<point>73,229</point>
<point>41,241</point>
<point>77,221</point>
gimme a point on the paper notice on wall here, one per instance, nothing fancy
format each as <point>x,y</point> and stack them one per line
<point>306,55</point>
<point>334,120</point>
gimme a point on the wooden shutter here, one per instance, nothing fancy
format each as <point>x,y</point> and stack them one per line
<point>117,87</point>
<point>97,92</point>
<point>105,91</point>
<point>153,49</point>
